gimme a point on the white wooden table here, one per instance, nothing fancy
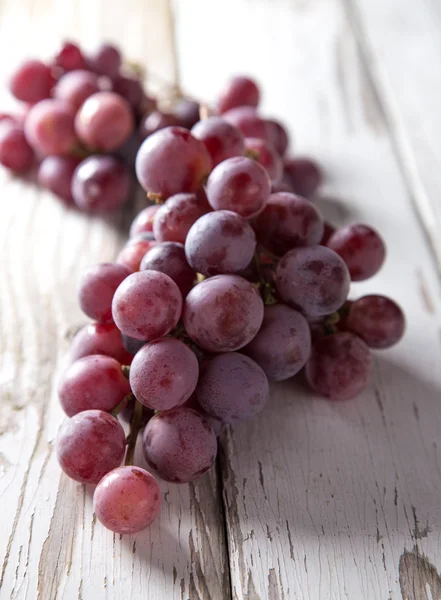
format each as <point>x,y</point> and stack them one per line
<point>311,500</point>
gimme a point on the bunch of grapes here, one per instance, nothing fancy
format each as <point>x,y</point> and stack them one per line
<point>231,280</point>
<point>80,123</point>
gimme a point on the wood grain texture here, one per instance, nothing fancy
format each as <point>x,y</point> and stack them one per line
<point>50,544</point>
<point>330,500</point>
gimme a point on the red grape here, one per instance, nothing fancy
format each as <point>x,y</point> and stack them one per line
<point>100,183</point>
<point>304,175</point>
<point>248,121</point>
<point>221,139</point>
<point>267,156</point>
<point>339,367</point>
<point>93,382</point>
<point>106,60</point>
<point>314,279</point>
<point>76,86</point>
<point>32,81</point>
<point>280,186</point>
<point>173,220</point>
<point>179,444</point>
<point>15,152</point>
<point>155,121</point>
<point>131,89</point>
<point>239,91</point>
<point>239,184</point>
<point>220,242</point>
<point>70,57</point>
<point>288,221</point>
<point>99,338</point>
<point>97,287</point>
<point>49,127</point>
<point>361,248</point>
<point>223,313</point>
<point>144,220</point>
<point>171,161</point>
<point>147,305</point>
<point>232,387</point>
<point>133,252</point>
<point>55,174</point>
<point>186,113</point>
<point>328,231</point>
<point>89,445</point>
<point>278,136</point>
<point>283,344</point>
<point>164,374</point>
<point>169,258</point>
<point>127,500</point>
<point>378,320</point>
<point>104,121</point>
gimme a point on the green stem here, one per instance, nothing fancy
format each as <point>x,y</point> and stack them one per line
<point>135,426</point>
<point>125,370</point>
<point>119,407</point>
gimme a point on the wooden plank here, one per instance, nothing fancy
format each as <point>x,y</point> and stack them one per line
<point>330,500</point>
<point>50,544</point>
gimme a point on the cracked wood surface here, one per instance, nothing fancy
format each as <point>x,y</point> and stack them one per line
<point>318,500</point>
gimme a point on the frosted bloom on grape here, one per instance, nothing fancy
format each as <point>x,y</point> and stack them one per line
<point>169,258</point>
<point>99,338</point>
<point>249,122</point>
<point>147,305</point>
<point>127,500</point>
<point>221,139</point>
<point>164,374</point>
<point>179,444</point>
<point>378,320</point>
<point>232,387</point>
<point>173,220</point>
<point>267,156</point>
<point>223,313</point>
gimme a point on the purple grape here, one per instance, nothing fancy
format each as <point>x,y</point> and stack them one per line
<point>248,121</point>
<point>221,139</point>
<point>280,186</point>
<point>239,91</point>
<point>232,387</point>
<point>155,121</point>
<point>378,320</point>
<point>172,161</point>
<point>239,184</point>
<point>267,156</point>
<point>93,382</point>
<point>223,313</point>
<point>76,86</point>
<point>106,60</point>
<point>127,500</point>
<point>186,113</point>
<point>100,184</point>
<point>49,127</point>
<point>89,445</point>
<point>99,338</point>
<point>288,221</point>
<point>314,280</point>
<point>97,287</point>
<point>339,367</point>
<point>179,444</point>
<point>328,232</point>
<point>283,344</point>
<point>278,136</point>
<point>169,258</point>
<point>304,175</point>
<point>220,242</point>
<point>134,251</point>
<point>362,249</point>
<point>173,220</point>
<point>70,57</point>
<point>15,152</point>
<point>55,174</point>
<point>104,121</point>
<point>130,89</point>
<point>31,81</point>
<point>164,374</point>
<point>147,305</point>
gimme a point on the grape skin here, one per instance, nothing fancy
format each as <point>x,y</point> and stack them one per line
<point>15,152</point>
<point>147,305</point>
<point>76,86</point>
<point>134,251</point>
<point>361,248</point>
<point>97,287</point>
<point>314,280</point>
<point>179,444</point>
<point>89,445</point>
<point>55,174</point>
<point>215,424</point>
<point>130,89</point>
<point>131,345</point>
<point>220,242</point>
<point>283,344</point>
<point>49,127</point>
<point>99,338</point>
<point>266,155</point>
<point>173,220</point>
<point>164,374</point>
<point>155,121</point>
<point>92,382</point>
<point>127,500</point>
<point>31,81</point>
<point>238,91</point>
<point>104,121</point>
<point>106,60</point>
<point>221,139</point>
<point>288,221</point>
<point>278,136</point>
<point>169,258</point>
<point>304,175</point>
<point>239,184</point>
<point>172,161</point>
<point>223,313</point>
<point>186,113</point>
<point>144,220</point>
<point>232,387</point>
<point>339,367</point>
<point>378,320</point>
<point>248,121</point>
<point>70,57</point>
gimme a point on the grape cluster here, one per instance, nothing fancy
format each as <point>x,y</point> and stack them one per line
<point>232,279</point>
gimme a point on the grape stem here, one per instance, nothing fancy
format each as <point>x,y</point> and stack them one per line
<point>157,198</point>
<point>135,426</point>
<point>125,371</point>
<point>266,289</point>
<point>119,407</point>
